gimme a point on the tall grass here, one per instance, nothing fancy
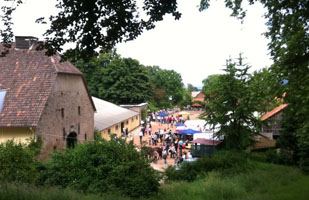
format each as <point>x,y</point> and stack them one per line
<point>265,182</point>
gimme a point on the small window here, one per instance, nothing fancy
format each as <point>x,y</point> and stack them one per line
<point>127,122</point>
<point>78,128</point>
<point>109,131</point>
<point>85,136</point>
<point>132,119</point>
<point>55,148</point>
<point>116,127</point>
<point>78,110</point>
<point>62,112</point>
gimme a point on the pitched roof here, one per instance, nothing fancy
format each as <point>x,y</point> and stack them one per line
<point>194,93</point>
<point>274,111</point>
<point>29,76</point>
<point>109,114</point>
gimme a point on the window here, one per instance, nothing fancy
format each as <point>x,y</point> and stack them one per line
<point>62,112</point>
<point>132,119</point>
<point>127,122</point>
<point>78,128</point>
<point>78,110</point>
<point>109,131</point>
<point>116,127</point>
<point>55,147</point>
<point>85,136</point>
<point>2,97</point>
<point>136,117</point>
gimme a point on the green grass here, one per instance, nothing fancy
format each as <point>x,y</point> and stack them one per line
<point>265,182</point>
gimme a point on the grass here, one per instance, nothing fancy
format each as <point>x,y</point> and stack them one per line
<point>267,182</point>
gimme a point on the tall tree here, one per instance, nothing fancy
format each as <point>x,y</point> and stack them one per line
<point>93,24</point>
<point>230,105</point>
<point>118,80</point>
<point>288,31</point>
<point>168,81</point>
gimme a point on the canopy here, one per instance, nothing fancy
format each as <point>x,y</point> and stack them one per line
<point>183,113</point>
<point>162,114</point>
<point>188,131</point>
<point>196,105</point>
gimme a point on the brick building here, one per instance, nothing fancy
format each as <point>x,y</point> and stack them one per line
<point>42,96</point>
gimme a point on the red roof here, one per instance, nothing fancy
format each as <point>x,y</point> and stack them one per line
<point>29,76</point>
<point>206,142</point>
<point>274,111</point>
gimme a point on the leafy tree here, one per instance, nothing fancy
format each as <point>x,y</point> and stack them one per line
<point>166,84</point>
<point>115,79</point>
<point>230,105</point>
<point>94,24</point>
<point>264,86</point>
<point>288,30</point>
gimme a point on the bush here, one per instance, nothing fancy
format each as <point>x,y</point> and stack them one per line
<point>227,162</point>
<point>18,162</point>
<point>102,166</point>
<point>283,157</point>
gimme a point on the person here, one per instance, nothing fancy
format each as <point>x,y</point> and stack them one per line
<point>189,155</point>
<point>180,146</point>
<point>149,139</point>
<point>141,137</point>
<point>164,156</point>
<point>155,155</point>
<point>149,129</point>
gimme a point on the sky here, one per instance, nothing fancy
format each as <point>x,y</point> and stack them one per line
<point>195,46</point>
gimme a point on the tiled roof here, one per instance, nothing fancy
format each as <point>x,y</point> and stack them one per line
<point>28,76</point>
<point>274,111</point>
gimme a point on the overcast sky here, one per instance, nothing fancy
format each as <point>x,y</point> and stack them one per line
<point>195,46</point>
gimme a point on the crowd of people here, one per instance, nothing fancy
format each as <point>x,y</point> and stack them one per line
<point>165,142</point>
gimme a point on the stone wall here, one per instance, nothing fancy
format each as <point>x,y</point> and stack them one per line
<point>68,109</point>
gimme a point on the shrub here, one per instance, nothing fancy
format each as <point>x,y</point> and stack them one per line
<point>18,162</point>
<point>103,166</point>
<point>227,162</point>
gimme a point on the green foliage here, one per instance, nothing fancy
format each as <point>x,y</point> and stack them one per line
<point>115,79</point>
<point>227,162</point>
<point>18,162</point>
<point>93,25</point>
<point>231,104</point>
<point>102,166</point>
<point>166,84</point>
<point>14,191</point>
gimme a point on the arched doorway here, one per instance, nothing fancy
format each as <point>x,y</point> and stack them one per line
<point>71,140</point>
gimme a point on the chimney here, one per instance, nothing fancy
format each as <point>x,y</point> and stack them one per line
<point>25,42</point>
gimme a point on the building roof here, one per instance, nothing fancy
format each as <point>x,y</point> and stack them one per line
<point>28,77</point>
<point>206,142</point>
<point>195,93</point>
<point>109,114</point>
<point>274,111</point>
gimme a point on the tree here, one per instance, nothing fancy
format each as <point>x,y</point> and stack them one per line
<point>166,84</point>
<point>115,79</point>
<point>93,24</point>
<point>230,105</point>
<point>288,30</point>
<point>265,87</point>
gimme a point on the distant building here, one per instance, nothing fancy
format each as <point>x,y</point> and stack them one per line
<point>43,97</point>
<point>198,96</point>
<point>136,107</point>
<point>272,127</point>
<point>113,119</point>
